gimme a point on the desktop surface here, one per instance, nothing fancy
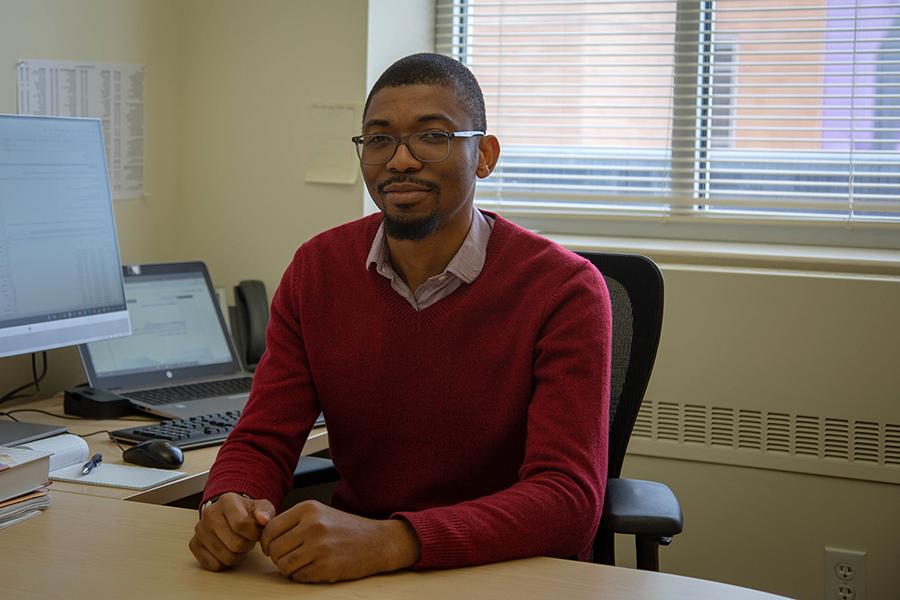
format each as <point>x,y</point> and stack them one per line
<point>197,462</point>
<point>90,544</point>
<point>95,548</point>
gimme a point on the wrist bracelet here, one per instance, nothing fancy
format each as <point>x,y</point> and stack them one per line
<point>209,502</point>
<point>213,500</point>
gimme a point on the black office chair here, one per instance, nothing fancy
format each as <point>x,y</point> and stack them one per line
<point>249,317</point>
<point>646,509</point>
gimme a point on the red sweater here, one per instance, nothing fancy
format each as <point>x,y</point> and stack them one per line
<point>481,420</point>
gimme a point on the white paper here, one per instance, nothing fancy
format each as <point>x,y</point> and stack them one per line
<point>14,508</point>
<point>23,517</point>
<point>122,476</point>
<point>66,449</point>
<point>331,127</point>
<point>114,93</point>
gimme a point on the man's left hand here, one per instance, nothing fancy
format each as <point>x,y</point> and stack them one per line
<point>311,542</point>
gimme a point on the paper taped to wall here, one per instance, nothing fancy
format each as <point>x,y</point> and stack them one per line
<point>332,158</point>
<point>114,93</point>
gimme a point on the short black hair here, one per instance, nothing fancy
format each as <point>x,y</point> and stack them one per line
<point>428,68</point>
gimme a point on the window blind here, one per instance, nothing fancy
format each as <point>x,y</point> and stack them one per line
<point>785,109</point>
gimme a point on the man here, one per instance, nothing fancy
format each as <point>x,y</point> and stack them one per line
<point>462,364</point>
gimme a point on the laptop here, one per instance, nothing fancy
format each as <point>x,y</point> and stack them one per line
<point>13,433</point>
<point>179,361</point>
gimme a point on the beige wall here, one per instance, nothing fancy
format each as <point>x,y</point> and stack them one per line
<point>249,71</point>
<point>126,31</point>
<point>767,529</point>
<point>817,343</point>
<point>227,87</point>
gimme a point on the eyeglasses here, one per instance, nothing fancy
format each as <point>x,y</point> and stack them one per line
<point>426,147</point>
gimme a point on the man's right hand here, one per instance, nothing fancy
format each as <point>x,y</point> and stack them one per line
<point>228,529</point>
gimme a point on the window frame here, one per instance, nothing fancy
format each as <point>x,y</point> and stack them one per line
<point>685,221</point>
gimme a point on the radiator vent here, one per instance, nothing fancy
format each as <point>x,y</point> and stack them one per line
<point>778,433</point>
<point>795,442</point>
<point>694,424</point>
<point>866,442</point>
<point>837,439</point>
<point>722,427</point>
<point>806,435</point>
<point>892,445</point>
<point>643,423</point>
<point>750,429</point>
<point>668,421</point>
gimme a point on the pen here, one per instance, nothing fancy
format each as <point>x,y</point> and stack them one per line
<point>89,465</point>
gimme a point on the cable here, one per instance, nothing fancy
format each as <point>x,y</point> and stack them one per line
<point>10,414</point>
<point>107,432</point>
<point>36,380</point>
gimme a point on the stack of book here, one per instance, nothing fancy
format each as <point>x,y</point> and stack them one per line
<point>24,476</point>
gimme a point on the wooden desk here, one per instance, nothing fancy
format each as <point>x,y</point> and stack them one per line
<point>90,547</point>
<point>197,462</point>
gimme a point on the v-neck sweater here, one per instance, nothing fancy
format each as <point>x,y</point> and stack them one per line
<point>481,420</point>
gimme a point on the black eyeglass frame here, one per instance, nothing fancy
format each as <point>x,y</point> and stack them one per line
<point>359,141</point>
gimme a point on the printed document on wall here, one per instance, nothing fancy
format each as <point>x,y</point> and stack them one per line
<point>113,93</point>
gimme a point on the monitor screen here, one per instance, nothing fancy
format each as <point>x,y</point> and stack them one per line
<point>175,325</point>
<point>60,274</point>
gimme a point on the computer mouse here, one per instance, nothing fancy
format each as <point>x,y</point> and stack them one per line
<point>155,453</point>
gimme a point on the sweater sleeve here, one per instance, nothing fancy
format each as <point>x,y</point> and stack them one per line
<point>554,508</point>
<point>259,457</point>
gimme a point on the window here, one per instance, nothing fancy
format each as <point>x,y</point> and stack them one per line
<point>763,112</point>
<point>721,109</point>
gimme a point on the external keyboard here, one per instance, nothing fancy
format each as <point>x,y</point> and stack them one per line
<point>193,432</point>
<point>192,391</point>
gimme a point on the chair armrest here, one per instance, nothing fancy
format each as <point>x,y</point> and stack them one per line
<point>313,470</point>
<point>638,507</point>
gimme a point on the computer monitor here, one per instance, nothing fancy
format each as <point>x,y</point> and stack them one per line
<point>60,274</point>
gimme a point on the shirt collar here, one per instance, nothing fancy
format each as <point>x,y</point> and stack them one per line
<point>466,264</point>
<point>469,259</point>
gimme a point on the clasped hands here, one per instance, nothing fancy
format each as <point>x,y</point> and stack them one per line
<point>309,542</point>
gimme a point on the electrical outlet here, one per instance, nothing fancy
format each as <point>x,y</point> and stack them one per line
<point>845,574</point>
<point>845,592</point>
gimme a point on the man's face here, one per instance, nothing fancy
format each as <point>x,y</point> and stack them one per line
<point>419,198</point>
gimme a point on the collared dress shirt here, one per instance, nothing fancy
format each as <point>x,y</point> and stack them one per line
<point>464,267</point>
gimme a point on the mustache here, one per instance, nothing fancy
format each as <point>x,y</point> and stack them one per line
<point>405,179</point>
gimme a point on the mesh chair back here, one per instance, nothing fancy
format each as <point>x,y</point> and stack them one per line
<point>635,286</point>
<point>621,341</point>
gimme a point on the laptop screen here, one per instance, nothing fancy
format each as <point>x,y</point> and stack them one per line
<point>178,331</point>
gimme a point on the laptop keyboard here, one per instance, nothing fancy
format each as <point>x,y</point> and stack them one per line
<point>193,432</point>
<point>192,391</point>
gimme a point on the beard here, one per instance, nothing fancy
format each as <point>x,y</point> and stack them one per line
<point>406,227</point>
<point>417,228</point>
